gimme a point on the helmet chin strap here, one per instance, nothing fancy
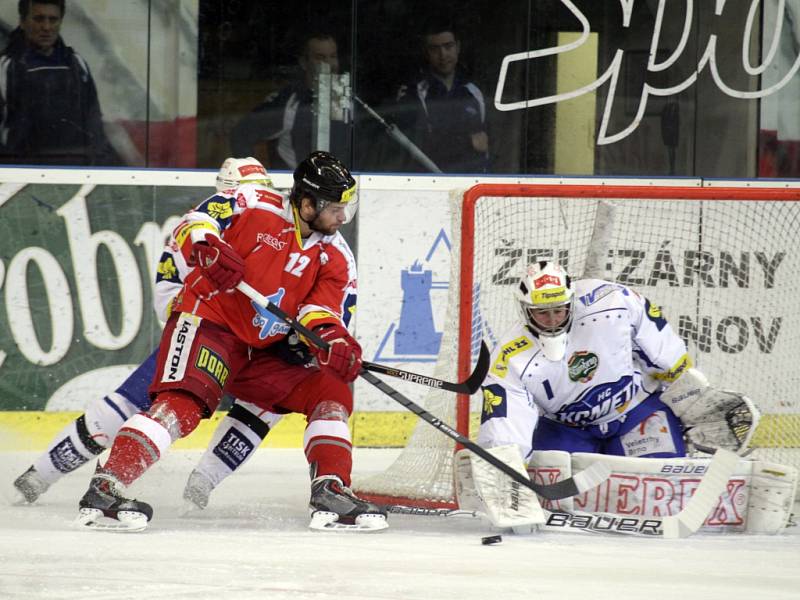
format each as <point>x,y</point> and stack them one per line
<point>302,224</point>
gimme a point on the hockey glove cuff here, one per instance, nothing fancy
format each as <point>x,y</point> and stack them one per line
<point>219,265</point>
<point>343,356</point>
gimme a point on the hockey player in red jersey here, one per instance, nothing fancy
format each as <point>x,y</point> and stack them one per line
<point>94,431</point>
<point>217,340</point>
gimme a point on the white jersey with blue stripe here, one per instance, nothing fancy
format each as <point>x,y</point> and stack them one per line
<point>620,350</point>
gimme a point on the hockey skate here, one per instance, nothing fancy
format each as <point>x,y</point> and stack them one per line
<point>104,508</point>
<point>30,486</point>
<point>335,507</point>
<point>197,491</point>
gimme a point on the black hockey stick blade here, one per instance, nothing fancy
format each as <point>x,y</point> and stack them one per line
<point>469,386</point>
<point>585,480</point>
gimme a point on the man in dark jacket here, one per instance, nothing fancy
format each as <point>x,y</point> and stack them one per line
<point>284,120</point>
<point>444,112</point>
<point>49,111</point>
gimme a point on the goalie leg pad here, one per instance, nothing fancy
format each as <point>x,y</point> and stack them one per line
<point>482,487</point>
<point>467,496</point>
<point>772,494</point>
<point>757,498</point>
<point>550,466</point>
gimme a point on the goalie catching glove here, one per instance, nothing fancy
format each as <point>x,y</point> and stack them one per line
<point>219,267</point>
<point>343,356</point>
<point>711,418</point>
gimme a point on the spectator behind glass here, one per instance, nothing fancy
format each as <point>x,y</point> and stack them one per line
<point>441,110</point>
<point>284,120</point>
<point>49,112</point>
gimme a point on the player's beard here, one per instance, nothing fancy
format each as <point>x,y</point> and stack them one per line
<point>330,230</point>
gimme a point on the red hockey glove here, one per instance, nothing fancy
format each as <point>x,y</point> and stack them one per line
<point>343,357</point>
<point>219,267</point>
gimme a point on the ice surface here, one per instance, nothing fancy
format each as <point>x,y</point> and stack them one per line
<point>253,542</point>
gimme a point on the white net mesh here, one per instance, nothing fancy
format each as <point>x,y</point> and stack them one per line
<point>726,273</point>
<point>423,472</point>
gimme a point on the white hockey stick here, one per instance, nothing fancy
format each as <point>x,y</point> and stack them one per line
<point>705,497</point>
<point>558,521</point>
<point>681,525</point>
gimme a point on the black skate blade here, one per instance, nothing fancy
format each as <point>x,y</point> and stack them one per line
<point>126,521</point>
<point>329,521</point>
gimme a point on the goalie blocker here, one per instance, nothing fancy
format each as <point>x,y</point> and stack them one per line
<point>758,496</point>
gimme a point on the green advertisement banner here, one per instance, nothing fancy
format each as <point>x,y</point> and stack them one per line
<point>77,265</point>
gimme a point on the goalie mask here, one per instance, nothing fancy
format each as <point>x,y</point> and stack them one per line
<point>545,299</point>
<point>236,171</point>
<point>325,179</point>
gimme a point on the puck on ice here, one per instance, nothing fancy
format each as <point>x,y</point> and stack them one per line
<point>491,539</point>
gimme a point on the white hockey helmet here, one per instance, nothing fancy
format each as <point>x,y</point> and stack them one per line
<point>545,299</point>
<point>236,171</point>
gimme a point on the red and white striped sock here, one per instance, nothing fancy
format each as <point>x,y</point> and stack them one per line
<point>327,443</point>
<point>139,444</point>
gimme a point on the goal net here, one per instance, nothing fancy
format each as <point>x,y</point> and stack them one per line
<point>723,263</point>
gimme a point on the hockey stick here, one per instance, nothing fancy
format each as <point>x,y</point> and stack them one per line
<point>681,525</point>
<point>585,480</point>
<point>398,136</point>
<point>469,386</point>
<point>559,521</point>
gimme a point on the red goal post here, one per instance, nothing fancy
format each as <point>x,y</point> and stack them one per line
<point>724,262</point>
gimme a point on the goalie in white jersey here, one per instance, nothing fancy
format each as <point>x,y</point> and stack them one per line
<point>594,373</point>
<point>586,370</point>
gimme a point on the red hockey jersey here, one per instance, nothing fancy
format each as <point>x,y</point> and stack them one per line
<point>312,279</point>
